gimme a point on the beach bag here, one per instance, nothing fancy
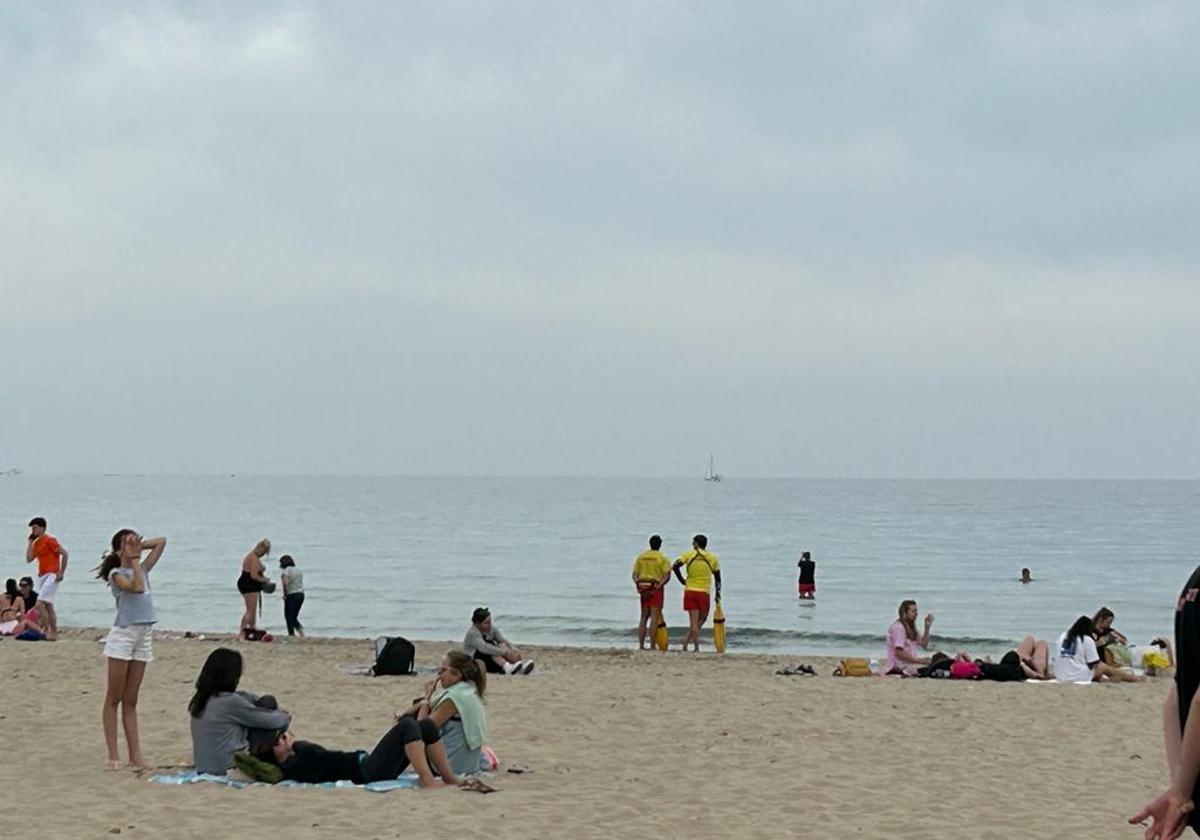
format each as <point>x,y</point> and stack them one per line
<point>1118,654</point>
<point>1155,660</point>
<point>853,667</point>
<point>394,656</point>
<point>965,671</point>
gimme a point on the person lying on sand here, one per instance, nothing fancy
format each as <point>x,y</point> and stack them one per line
<point>410,742</point>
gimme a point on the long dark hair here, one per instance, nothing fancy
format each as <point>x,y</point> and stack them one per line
<point>221,673</point>
<point>112,559</point>
<point>10,589</point>
<point>910,627</point>
<point>468,666</point>
<point>1082,627</point>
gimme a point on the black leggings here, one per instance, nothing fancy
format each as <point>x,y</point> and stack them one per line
<point>291,611</point>
<point>387,760</point>
<point>489,663</point>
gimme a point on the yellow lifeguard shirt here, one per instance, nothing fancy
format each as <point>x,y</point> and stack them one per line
<point>651,565</point>
<point>699,573</point>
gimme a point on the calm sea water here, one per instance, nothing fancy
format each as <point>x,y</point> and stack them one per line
<point>552,557</point>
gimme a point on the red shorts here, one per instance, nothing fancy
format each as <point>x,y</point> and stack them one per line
<point>652,598</point>
<point>807,588</point>
<point>694,600</point>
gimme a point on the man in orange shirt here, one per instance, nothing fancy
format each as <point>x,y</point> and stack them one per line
<point>52,565</point>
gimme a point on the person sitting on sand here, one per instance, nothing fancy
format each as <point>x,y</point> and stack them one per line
<point>21,625</point>
<point>1079,661</point>
<point>223,718</point>
<point>1110,644</point>
<point>27,595</point>
<point>252,582</point>
<point>486,643</point>
<point>409,742</point>
<point>454,702</point>
<point>651,571</point>
<point>10,595</point>
<point>903,643</point>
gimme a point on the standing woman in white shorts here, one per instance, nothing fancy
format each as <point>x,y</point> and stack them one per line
<point>129,645</point>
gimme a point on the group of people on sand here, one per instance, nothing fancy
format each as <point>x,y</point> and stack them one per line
<point>1090,650</point>
<point>253,582</point>
<point>698,571</point>
<point>27,609</point>
<point>440,736</point>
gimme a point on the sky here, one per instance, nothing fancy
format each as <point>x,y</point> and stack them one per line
<point>912,240</point>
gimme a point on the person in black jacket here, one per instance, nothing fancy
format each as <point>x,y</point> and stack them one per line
<point>410,742</point>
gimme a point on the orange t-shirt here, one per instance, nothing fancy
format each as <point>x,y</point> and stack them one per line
<point>45,549</point>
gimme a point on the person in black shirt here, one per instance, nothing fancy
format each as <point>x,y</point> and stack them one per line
<point>409,742</point>
<point>807,585</point>
<point>1174,809</point>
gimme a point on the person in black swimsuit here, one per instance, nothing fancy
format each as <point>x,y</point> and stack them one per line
<point>252,582</point>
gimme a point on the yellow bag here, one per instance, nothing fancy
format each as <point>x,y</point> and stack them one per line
<point>853,667</point>
<point>1156,660</point>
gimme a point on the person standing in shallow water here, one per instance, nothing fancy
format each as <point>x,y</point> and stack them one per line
<point>703,569</point>
<point>651,571</point>
<point>252,582</point>
<point>293,594</point>
<point>807,584</point>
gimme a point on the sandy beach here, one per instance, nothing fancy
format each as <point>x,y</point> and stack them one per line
<point>620,744</point>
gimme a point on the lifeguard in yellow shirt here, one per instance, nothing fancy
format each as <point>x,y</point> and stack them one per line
<point>651,571</point>
<point>702,569</point>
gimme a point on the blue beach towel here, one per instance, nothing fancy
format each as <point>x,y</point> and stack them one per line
<point>191,777</point>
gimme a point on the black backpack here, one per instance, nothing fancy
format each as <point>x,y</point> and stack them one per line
<point>393,657</point>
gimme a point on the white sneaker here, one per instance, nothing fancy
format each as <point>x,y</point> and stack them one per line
<point>528,669</point>
<point>512,667</point>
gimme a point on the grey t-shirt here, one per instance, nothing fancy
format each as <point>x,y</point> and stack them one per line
<point>132,607</point>
<point>293,580</point>
<point>220,731</point>
<point>489,645</point>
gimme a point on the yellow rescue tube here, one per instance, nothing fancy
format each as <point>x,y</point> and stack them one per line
<point>660,636</point>
<point>719,628</point>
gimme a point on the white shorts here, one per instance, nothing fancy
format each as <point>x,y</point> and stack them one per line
<point>45,587</point>
<point>135,642</point>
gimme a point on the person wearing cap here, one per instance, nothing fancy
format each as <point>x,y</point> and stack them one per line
<point>487,644</point>
<point>651,571</point>
<point>51,558</point>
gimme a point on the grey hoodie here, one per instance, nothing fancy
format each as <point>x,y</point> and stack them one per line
<point>220,731</point>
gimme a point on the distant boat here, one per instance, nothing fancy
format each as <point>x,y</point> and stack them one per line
<point>711,475</point>
<point>10,471</point>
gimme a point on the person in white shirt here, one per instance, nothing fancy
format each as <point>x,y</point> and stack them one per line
<point>293,594</point>
<point>1079,661</point>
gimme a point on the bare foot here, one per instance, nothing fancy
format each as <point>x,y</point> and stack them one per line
<point>112,764</point>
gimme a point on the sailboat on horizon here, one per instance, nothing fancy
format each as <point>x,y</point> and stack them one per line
<point>712,474</point>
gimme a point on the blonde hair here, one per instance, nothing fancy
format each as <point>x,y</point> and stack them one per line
<point>264,544</point>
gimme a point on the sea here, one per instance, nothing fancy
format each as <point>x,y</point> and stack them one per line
<point>551,557</point>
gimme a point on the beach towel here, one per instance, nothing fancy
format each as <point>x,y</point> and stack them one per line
<point>191,777</point>
<point>470,709</point>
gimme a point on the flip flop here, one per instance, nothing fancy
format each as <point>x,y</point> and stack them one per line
<point>473,785</point>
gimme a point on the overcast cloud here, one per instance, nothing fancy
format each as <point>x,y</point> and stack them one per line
<point>817,239</point>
